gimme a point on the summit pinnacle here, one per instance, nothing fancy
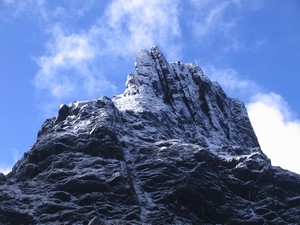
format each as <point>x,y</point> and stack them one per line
<point>172,149</point>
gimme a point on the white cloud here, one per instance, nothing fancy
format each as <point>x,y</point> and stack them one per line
<point>5,169</point>
<point>278,132</point>
<point>68,68</point>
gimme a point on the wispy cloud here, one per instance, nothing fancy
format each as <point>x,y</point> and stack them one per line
<point>128,26</point>
<point>215,22</point>
<point>277,129</point>
<point>48,10</point>
<point>213,19</point>
<point>231,81</point>
<point>255,4</point>
<point>68,67</point>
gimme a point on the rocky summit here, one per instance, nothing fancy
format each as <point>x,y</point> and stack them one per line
<point>173,149</point>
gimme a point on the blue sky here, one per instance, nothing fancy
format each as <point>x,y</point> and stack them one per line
<point>54,52</point>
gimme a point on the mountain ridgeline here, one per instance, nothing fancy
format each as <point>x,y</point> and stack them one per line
<point>173,149</point>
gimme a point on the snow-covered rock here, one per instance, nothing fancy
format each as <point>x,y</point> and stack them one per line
<point>173,149</point>
<point>184,103</point>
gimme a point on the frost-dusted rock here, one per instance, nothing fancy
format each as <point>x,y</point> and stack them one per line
<point>2,178</point>
<point>173,149</point>
<point>179,101</point>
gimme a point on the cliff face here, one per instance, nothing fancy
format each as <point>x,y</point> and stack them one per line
<point>173,149</point>
<point>185,103</point>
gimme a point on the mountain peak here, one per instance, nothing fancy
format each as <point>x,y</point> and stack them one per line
<point>199,109</point>
<point>173,149</point>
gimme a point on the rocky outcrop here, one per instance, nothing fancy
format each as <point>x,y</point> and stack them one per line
<point>184,103</point>
<point>173,149</point>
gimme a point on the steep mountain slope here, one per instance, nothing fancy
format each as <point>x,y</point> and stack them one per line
<point>173,149</point>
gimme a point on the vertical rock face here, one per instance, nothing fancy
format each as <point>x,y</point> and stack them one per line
<point>173,149</point>
<point>187,104</point>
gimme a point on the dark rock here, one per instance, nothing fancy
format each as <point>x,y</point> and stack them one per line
<point>63,196</point>
<point>294,201</point>
<point>173,149</point>
<point>11,216</point>
<point>2,178</point>
<point>63,113</point>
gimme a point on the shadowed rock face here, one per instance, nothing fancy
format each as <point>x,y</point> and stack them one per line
<point>173,149</point>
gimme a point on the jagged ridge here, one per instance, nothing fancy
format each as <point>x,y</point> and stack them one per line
<point>173,149</point>
<point>186,102</point>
